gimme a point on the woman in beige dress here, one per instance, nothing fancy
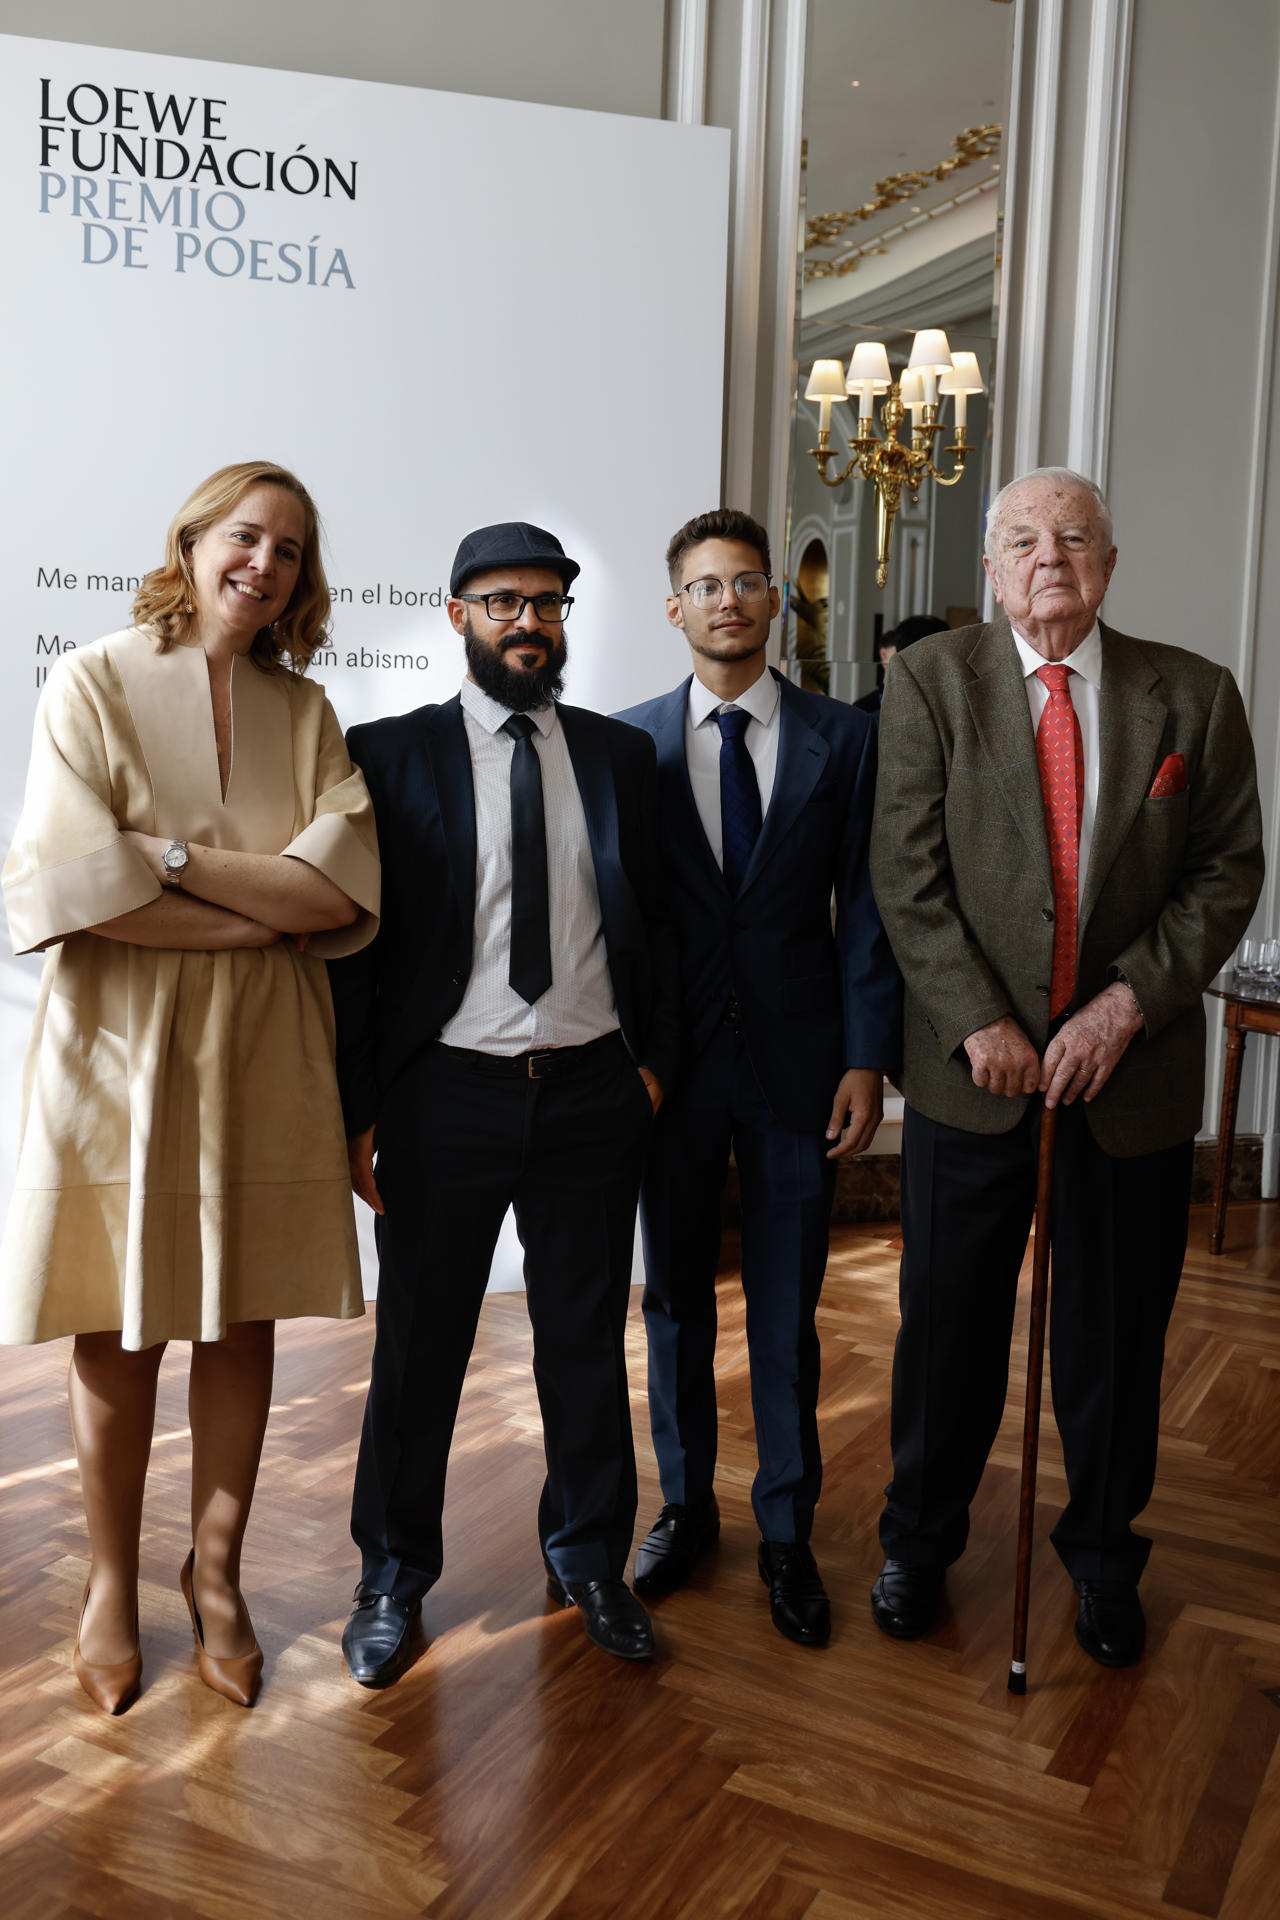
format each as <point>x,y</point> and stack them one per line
<point>193,844</point>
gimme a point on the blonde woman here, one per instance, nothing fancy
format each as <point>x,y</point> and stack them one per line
<point>193,843</point>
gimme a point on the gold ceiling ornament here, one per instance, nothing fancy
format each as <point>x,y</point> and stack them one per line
<point>932,371</point>
<point>975,143</point>
<point>849,261</point>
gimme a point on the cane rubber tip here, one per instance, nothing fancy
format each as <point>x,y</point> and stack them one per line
<point>1017,1680</point>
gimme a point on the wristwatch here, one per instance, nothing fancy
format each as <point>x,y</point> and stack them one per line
<point>175,860</point>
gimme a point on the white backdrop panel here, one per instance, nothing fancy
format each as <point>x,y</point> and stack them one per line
<point>481,310</point>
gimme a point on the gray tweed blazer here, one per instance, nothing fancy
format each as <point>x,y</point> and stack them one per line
<point>960,867</point>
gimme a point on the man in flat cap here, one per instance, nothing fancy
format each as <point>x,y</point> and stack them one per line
<point>504,1042</point>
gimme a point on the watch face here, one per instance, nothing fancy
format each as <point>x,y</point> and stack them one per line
<point>175,858</point>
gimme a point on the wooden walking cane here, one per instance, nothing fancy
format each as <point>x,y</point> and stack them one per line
<point>1031,1418</point>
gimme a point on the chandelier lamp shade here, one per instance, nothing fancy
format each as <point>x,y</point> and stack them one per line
<point>932,374</point>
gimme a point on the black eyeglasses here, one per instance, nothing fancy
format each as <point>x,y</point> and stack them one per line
<point>503,605</point>
<point>747,589</point>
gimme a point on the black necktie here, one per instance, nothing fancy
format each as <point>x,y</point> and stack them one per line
<point>739,795</point>
<point>530,973</point>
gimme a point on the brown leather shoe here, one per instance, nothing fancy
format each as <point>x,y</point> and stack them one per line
<point>236,1677</point>
<point>112,1687</point>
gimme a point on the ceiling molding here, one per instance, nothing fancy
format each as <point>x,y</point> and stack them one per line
<point>829,229</point>
<point>955,285</point>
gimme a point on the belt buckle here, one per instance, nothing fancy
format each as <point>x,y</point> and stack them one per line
<point>535,1059</point>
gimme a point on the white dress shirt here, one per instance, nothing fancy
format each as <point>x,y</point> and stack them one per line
<point>1086,679</point>
<point>578,1005</point>
<point>703,740</point>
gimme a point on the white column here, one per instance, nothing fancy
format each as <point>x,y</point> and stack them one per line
<point>1097,276</point>
<point>691,62</point>
<point>748,249</point>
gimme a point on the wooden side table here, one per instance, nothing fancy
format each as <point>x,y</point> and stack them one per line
<point>1248,1007</point>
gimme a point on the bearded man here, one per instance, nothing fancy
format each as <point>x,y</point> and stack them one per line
<point>504,1042</point>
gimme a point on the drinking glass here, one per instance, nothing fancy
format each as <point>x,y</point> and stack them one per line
<point>1250,955</point>
<point>1269,960</point>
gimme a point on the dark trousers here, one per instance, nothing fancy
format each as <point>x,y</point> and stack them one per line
<point>786,1184</point>
<point>1119,1233</point>
<point>456,1145</point>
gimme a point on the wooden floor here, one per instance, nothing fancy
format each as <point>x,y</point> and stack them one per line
<point>518,1773</point>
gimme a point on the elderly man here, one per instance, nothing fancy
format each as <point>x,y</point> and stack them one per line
<point>1067,846</point>
<point>504,1042</point>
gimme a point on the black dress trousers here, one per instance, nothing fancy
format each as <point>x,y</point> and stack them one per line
<point>1119,1234</point>
<point>786,1184</point>
<point>457,1143</point>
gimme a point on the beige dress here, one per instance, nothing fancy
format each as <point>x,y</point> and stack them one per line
<point>182,1163</point>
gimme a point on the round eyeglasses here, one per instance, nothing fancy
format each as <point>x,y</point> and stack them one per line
<point>548,607</point>
<point>747,589</point>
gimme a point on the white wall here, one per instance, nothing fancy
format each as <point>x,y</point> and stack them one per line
<point>1174,331</point>
<point>606,54</point>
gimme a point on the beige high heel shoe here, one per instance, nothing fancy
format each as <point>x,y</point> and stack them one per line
<point>237,1677</point>
<point>112,1687</point>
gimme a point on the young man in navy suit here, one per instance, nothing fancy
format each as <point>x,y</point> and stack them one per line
<point>788,1024</point>
<point>504,1042</point>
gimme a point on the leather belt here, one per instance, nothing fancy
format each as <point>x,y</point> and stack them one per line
<point>540,1063</point>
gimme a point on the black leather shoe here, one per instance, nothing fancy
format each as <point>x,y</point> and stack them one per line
<point>1110,1624</point>
<point>377,1641</point>
<point>906,1599</point>
<point>674,1544</point>
<point>797,1598</point>
<point>611,1614</point>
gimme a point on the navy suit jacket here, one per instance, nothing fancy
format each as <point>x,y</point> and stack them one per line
<point>814,1000</point>
<point>393,997</point>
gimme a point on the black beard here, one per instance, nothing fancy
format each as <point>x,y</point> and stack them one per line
<point>516,688</point>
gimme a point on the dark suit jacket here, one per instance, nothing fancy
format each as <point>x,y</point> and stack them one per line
<point>394,996</point>
<point>814,1001</point>
<point>960,860</point>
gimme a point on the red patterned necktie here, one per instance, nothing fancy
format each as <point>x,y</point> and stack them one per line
<point>1060,752</point>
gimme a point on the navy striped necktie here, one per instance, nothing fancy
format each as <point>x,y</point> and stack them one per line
<point>740,814</point>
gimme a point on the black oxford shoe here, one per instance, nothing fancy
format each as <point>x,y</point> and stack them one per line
<point>905,1600</point>
<point>611,1614</point>
<point>377,1641</point>
<point>1110,1624</point>
<point>674,1544</point>
<point>798,1600</point>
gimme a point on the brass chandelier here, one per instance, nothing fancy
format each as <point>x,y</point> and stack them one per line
<point>932,372</point>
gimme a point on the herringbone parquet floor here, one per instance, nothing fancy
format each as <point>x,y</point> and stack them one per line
<point>518,1774</point>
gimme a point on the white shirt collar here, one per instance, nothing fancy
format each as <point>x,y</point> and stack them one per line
<point>493,716</point>
<point>760,700</point>
<point>1086,660</point>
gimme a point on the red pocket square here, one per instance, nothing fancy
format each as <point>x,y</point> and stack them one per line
<point>1172,777</point>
